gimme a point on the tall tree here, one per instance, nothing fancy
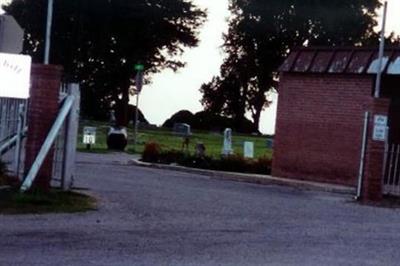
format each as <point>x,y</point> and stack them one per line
<point>99,41</point>
<point>261,35</point>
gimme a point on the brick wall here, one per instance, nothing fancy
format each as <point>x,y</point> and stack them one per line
<point>43,109</point>
<point>319,126</point>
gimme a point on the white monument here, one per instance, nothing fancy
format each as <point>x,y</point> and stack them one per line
<point>248,149</point>
<point>227,148</point>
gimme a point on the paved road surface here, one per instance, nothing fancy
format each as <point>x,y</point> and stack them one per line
<point>156,217</point>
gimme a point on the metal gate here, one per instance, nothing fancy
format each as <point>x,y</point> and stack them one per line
<point>391,172</point>
<point>65,143</point>
<point>12,129</point>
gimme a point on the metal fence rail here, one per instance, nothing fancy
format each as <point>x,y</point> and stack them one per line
<point>391,175</point>
<point>12,129</point>
<point>9,115</point>
<point>60,154</point>
<point>59,157</point>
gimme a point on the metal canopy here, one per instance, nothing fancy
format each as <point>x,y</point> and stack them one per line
<point>352,60</point>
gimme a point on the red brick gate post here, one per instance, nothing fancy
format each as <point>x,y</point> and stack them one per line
<point>42,111</point>
<point>372,185</point>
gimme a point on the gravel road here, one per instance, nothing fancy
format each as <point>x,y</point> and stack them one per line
<point>158,217</point>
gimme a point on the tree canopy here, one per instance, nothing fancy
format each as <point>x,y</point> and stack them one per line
<point>99,41</point>
<point>262,33</point>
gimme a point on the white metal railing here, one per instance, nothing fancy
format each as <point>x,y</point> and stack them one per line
<point>9,116</point>
<point>12,131</point>
<point>391,173</point>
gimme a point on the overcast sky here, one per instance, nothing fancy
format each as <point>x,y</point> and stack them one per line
<point>171,92</point>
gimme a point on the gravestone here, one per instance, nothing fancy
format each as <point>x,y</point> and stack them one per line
<point>89,136</point>
<point>117,138</point>
<point>182,129</point>
<point>248,149</point>
<point>270,143</point>
<point>200,150</point>
<point>227,148</point>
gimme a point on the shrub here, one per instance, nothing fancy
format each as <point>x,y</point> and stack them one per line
<point>5,179</point>
<point>262,166</point>
<point>171,156</point>
<point>151,152</point>
<point>3,168</point>
<point>232,163</point>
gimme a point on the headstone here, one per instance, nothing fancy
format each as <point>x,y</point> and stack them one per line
<point>113,120</point>
<point>248,149</point>
<point>89,136</point>
<point>182,129</point>
<point>11,35</point>
<point>227,148</point>
<point>117,138</point>
<point>270,143</point>
<point>200,150</point>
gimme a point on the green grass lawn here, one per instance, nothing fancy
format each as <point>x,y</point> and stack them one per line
<point>54,201</point>
<point>165,137</point>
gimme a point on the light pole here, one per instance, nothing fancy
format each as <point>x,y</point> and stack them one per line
<point>48,31</point>
<point>381,51</point>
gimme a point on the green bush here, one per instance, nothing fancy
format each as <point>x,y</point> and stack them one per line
<point>232,163</point>
<point>171,156</point>
<point>262,165</point>
<point>3,173</point>
<point>5,179</point>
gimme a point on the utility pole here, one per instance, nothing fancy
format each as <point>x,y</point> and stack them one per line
<point>50,4</point>
<point>381,51</point>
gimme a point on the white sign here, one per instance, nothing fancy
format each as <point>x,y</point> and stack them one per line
<point>380,120</point>
<point>89,135</point>
<point>15,72</point>
<point>248,149</point>
<point>380,127</point>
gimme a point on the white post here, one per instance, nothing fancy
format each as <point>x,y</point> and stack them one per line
<point>20,132</point>
<point>71,139</point>
<point>362,159</point>
<point>381,50</point>
<point>48,32</point>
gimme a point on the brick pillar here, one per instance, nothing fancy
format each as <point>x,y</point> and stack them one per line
<point>372,185</point>
<point>43,109</point>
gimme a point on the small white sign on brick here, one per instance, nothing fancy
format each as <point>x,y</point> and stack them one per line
<point>15,72</point>
<point>380,127</point>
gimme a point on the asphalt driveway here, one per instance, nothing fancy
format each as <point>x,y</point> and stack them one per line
<point>158,217</point>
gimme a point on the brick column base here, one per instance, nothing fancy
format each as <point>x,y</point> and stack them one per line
<point>42,111</point>
<point>372,185</point>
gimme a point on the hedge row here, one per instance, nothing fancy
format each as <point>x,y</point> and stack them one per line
<point>233,163</point>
